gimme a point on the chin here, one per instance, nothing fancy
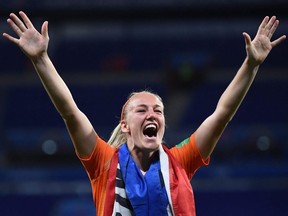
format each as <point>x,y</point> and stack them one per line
<point>152,145</point>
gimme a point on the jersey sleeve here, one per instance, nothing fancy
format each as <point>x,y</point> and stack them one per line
<point>188,155</point>
<point>98,161</point>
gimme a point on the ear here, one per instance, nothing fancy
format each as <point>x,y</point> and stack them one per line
<point>124,127</point>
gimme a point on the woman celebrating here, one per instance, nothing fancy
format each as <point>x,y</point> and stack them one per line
<point>133,173</point>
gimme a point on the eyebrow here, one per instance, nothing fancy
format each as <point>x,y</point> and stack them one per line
<point>145,105</point>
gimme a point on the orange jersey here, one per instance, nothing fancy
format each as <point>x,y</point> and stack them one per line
<point>186,155</point>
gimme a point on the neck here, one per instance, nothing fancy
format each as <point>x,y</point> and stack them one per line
<point>143,159</point>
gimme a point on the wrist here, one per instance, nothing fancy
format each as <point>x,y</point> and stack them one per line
<point>38,59</point>
<point>250,67</point>
<point>251,64</point>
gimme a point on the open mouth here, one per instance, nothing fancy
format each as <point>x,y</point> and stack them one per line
<point>150,130</point>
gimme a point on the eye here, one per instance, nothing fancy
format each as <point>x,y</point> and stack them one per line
<point>158,111</point>
<point>140,110</point>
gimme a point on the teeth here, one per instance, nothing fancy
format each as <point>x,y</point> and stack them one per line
<point>150,126</point>
<point>150,130</point>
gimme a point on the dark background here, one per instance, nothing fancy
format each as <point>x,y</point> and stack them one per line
<point>186,51</point>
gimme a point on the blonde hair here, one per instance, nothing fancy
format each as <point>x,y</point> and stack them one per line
<point>118,138</point>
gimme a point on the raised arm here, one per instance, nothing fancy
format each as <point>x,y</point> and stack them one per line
<point>35,45</point>
<point>209,132</point>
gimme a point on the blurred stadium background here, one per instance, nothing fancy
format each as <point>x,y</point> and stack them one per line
<point>187,51</point>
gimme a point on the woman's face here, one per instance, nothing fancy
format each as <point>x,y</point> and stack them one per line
<point>144,123</point>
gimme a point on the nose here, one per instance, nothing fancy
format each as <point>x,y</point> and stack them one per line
<point>151,114</point>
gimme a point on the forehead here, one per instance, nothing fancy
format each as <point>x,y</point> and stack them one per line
<point>145,99</point>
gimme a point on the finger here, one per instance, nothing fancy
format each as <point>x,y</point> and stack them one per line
<point>26,20</point>
<point>44,29</point>
<point>262,26</point>
<point>273,29</point>
<point>270,23</point>
<point>278,41</point>
<point>10,38</point>
<point>15,28</point>
<point>18,22</point>
<point>247,39</point>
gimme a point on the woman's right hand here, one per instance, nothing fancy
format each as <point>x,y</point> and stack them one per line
<point>33,43</point>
